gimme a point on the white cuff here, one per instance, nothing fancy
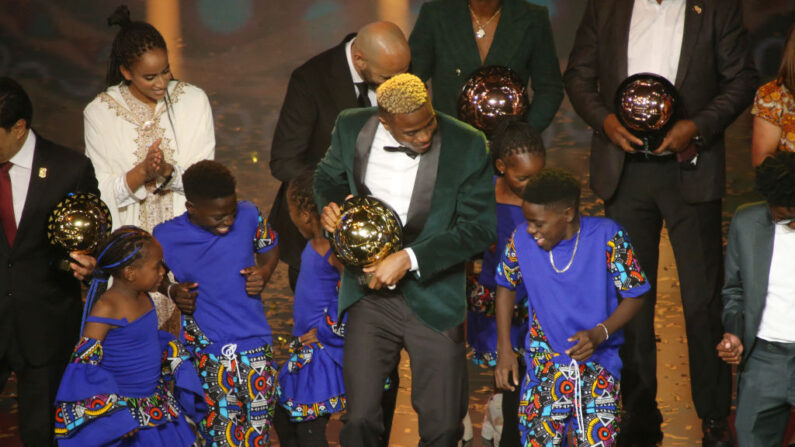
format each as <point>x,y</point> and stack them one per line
<point>415,267</point>
<point>124,196</point>
<point>176,179</point>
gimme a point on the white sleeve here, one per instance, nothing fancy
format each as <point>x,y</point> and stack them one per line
<point>197,139</point>
<point>112,185</point>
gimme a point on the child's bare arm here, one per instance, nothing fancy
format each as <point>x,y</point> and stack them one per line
<point>507,369</point>
<point>588,340</point>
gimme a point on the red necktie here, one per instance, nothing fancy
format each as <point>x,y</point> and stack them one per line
<point>7,218</point>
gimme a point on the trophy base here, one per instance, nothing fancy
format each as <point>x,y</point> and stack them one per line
<point>650,144</point>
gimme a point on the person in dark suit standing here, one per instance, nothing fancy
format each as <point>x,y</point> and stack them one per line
<point>435,171</point>
<point>758,310</point>
<point>701,47</point>
<point>40,306</point>
<point>453,38</point>
<point>340,78</point>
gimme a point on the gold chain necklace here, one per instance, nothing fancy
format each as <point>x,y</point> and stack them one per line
<point>481,32</point>
<point>573,254</point>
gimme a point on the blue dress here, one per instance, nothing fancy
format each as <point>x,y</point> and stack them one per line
<point>125,383</point>
<point>310,384</point>
<point>481,325</point>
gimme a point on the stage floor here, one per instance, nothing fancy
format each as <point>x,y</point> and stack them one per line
<point>241,53</point>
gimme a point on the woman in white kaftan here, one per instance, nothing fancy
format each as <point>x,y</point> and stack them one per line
<point>119,129</point>
<point>143,131</point>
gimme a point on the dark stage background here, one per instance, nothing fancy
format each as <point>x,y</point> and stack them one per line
<point>241,52</point>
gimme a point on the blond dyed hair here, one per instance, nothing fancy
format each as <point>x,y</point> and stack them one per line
<point>404,93</point>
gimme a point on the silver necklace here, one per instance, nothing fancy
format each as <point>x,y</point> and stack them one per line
<point>481,32</point>
<point>574,253</point>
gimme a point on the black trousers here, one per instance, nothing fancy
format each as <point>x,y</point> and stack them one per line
<point>511,437</point>
<point>378,328</point>
<point>36,388</point>
<point>647,196</point>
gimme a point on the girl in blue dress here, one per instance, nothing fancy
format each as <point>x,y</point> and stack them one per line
<point>518,154</point>
<point>311,388</point>
<point>126,383</point>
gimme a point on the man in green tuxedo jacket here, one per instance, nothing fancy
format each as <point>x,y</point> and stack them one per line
<point>758,305</point>
<point>436,173</point>
<point>447,49</point>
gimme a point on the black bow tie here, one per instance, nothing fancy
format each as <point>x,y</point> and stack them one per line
<point>403,149</point>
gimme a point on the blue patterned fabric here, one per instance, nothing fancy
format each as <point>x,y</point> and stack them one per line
<point>96,405</point>
<point>586,294</point>
<point>481,325</point>
<point>310,384</point>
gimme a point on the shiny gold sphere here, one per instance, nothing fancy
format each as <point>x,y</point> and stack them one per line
<point>80,222</point>
<point>368,231</point>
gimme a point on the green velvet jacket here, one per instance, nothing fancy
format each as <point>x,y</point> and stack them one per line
<point>451,214</point>
<point>443,49</point>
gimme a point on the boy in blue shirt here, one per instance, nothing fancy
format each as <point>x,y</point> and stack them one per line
<point>222,253</point>
<point>574,268</point>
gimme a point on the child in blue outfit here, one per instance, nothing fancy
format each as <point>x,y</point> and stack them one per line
<point>573,269</point>
<point>126,385</point>
<point>222,253</point>
<point>310,384</point>
<point>518,153</point>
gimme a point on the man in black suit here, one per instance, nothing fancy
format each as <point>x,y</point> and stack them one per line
<point>701,47</point>
<point>340,78</point>
<point>343,77</point>
<point>40,306</point>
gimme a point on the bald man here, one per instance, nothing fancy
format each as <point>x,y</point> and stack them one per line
<point>342,77</point>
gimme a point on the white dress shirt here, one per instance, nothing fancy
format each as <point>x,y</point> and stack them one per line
<point>390,177</point>
<point>21,166</point>
<point>355,74</point>
<point>779,313</point>
<point>655,37</point>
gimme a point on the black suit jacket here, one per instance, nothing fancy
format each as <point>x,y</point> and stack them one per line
<point>714,78</point>
<point>317,92</point>
<point>40,306</point>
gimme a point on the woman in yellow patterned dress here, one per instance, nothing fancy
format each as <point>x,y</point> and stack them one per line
<point>774,109</point>
<point>143,131</point>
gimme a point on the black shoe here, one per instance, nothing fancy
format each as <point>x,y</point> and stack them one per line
<point>716,433</point>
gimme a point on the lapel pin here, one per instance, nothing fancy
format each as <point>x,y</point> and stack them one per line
<point>458,72</point>
<point>42,172</point>
<point>697,9</point>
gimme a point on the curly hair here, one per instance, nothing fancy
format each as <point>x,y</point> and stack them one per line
<point>553,187</point>
<point>513,136</point>
<point>775,179</point>
<point>131,42</point>
<point>300,192</point>
<point>207,180</point>
<point>404,93</point>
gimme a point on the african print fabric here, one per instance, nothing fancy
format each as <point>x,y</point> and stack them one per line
<point>239,387</point>
<point>775,103</point>
<point>551,393</point>
<point>150,411</point>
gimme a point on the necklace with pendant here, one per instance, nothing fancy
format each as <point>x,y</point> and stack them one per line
<point>481,31</point>
<point>574,253</point>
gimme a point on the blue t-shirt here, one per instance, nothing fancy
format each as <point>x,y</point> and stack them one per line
<point>584,295</point>
<point>224,311</point>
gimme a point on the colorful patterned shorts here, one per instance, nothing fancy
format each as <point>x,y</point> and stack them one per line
<point>239,387</point>
<point>548,405</point>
